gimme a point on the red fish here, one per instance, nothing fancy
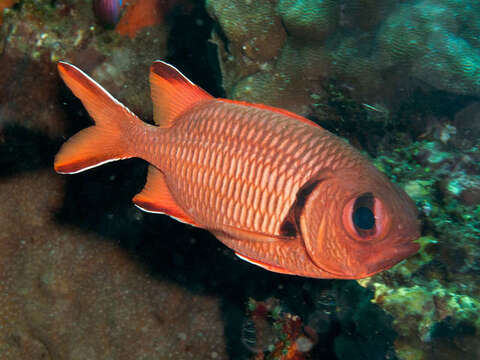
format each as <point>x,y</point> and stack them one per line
<point>278,189</point>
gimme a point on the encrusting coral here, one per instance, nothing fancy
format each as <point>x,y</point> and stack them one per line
<point>379,49</point>
<point>435,295</point>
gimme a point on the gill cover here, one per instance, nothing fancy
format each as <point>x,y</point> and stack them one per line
<point>314,220</point>
<point>347,227</point>
<point>340,226</point>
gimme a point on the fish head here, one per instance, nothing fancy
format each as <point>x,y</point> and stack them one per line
<point>356,223</point>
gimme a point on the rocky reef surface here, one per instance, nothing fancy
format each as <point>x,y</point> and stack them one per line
<point>85,275</point>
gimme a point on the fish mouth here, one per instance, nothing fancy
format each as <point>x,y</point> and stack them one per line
<point>383,261</point>
<point>380,262</point>
<point>392,257</point>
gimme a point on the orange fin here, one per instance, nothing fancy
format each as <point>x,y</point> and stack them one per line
<point>242,234</point>
<point>97,144</point>
<point>268,267</point>
<point>156,198</point>
<point>172,93</point>
<point>274,109</point>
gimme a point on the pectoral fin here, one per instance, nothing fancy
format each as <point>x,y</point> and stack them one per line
<point>247,235</point>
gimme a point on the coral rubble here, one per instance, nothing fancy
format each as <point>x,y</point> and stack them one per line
<point>273,334</point>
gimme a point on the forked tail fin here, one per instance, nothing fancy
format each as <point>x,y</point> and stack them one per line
<point>107,140</point>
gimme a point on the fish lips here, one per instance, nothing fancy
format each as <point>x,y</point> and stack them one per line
<point>390,257</point>
<point>378,262</point>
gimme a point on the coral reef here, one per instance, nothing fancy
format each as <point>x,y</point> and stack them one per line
<point>309,19</point>
<point>312,320</point>
<point>435,297</point>
<point>83,274</point>
<point>273,334</point>
<point>38,35</point>
<point>381,50</point>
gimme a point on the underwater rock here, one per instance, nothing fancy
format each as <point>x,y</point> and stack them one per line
<point>67,293</point>
<point>471,195</point>
<point>467,123</point>
<point>300,17</point>
<point>255,32</point>
<point>381,50</point>
<point>24,84</point>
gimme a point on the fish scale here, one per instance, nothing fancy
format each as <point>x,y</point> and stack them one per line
<point>250,155</point>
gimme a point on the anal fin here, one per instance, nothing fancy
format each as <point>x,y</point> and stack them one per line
<point>268,267</point>
<point>227,239</point>
<point>156,198</point>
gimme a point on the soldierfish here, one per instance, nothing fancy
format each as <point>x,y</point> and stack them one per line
<point>275,187</point>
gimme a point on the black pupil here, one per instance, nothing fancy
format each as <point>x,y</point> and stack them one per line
<point>363,218</point>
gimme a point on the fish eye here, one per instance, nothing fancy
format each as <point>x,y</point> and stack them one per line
<point>363,216</point>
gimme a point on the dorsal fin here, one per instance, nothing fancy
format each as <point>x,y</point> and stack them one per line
<point>274,109</point>
<point>156,198</point>
<point>172,93</point>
